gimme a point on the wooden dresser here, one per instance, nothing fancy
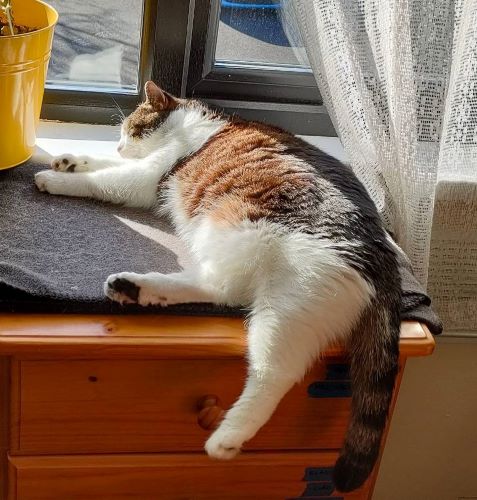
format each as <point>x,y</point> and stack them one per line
<point>115,408</point>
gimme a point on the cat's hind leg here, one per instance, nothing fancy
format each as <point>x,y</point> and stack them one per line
<point>158,289</point>
<point>305,298</point>
<point>278,358</point>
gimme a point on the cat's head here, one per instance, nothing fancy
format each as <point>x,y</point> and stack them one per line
<point>147,118</point>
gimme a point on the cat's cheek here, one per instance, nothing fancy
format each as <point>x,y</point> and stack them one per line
<point>126,153</point>
<point>129,149</point>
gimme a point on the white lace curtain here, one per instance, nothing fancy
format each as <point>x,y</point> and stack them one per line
<point>399,79</point>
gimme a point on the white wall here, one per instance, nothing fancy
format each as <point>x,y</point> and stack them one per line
<point>431,452</point>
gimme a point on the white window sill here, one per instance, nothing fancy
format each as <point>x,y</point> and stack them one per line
<point>55,138</point>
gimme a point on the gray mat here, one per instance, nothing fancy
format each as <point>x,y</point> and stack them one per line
<point>56,252</point>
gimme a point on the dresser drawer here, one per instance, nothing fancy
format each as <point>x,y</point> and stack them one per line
<point>105,406</point>
<point>175,477</point>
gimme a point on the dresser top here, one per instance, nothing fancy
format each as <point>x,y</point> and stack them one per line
<point>158,336</point>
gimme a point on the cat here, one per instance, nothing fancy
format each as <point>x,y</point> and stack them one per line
<point>274,224</point>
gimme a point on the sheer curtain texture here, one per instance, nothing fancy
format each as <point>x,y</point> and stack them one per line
<point>399,80</point>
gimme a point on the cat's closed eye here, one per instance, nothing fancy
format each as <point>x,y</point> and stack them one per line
<point>135,132</point>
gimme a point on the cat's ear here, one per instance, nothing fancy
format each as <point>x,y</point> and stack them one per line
<point>158,98</point>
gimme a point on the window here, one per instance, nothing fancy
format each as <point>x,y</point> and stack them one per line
<point>100,59</point>
<point>254,35</point>
<point>96,45</point>
<point>243,62</point>
<point>242,52</point>
<point>235,54</point>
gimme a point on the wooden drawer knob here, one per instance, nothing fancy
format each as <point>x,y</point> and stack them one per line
<point>210,412</point>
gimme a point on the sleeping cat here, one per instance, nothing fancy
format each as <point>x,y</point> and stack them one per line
<point>273,224</point>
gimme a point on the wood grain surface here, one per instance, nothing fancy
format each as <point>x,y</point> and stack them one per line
<point>113,406</point>
<point>167,477</point>
<point>150,336</point>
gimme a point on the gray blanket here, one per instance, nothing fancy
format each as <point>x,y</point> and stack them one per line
<point>56,252</point>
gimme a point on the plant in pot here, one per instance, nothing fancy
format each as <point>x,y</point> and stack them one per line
<point>26,35</point>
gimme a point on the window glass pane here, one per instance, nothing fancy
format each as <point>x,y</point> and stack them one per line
<point>258,33</point>
<point>96,44</point>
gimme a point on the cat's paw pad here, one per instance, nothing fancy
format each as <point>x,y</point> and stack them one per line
<point>69,163</point>
<point>132,288</point>
<point>121,288</point>
<point>49,181</point>
<point>224,444</point>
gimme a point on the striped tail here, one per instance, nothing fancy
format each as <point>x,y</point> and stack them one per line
<point>374,350</point>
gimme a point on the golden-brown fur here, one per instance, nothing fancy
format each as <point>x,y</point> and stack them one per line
<point>242,174</point>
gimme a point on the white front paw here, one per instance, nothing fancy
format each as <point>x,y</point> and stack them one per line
<point>50,181</point>
<point>70,163</point>
<point>224,443</point>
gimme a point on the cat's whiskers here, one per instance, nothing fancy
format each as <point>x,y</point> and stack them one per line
<point>117,119</point>
<point>121,113</point>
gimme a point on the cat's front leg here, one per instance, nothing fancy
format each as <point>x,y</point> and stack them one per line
<point>62,183</point>
<point>157,289</point>
<point>72,163</point>
<point>134,184</point>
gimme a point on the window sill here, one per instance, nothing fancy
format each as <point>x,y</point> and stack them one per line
<point>55,138</point>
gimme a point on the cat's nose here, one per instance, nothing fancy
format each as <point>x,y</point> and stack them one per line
<point>120,148</point>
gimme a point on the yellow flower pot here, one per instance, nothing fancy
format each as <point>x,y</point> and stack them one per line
<point>23,65</point>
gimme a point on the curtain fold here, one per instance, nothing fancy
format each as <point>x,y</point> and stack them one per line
<point>398,78</point>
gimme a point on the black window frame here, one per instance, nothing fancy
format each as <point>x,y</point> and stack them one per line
<point>235,81</point>
<point>178,43</point>
<point>87,106</point>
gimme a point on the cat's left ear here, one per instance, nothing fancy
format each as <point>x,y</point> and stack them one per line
<point>159,99</point>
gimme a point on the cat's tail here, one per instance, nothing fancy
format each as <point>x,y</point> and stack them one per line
<point>374,350</point>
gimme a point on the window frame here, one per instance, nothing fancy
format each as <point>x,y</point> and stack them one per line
<point>177,51</point>
<point>235,81</point>
<point>289,99</point>
<point>102,106</point>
